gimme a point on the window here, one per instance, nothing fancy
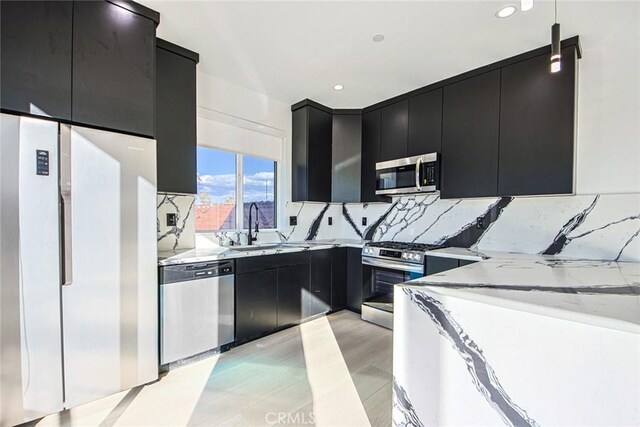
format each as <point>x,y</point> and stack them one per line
<point>258,185</point>
<point>219,176</point>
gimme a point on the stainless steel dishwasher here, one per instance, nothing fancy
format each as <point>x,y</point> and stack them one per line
<point>196,309</point>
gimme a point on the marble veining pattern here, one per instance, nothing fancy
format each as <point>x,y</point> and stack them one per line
<point>404,413</point>
<point>181,235</point>
<point>482,374</point>
<point>605,227</point>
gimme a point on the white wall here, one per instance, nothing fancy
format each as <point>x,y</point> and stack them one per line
<point>608,144</point>
<point>234,105</point>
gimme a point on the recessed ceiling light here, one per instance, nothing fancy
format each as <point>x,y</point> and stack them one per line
<point>378,37</point>
<point>526,5</point>
<point>506,11</point>
<point>338,87</point>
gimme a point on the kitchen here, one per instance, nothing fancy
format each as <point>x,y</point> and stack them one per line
<point>259,213</point>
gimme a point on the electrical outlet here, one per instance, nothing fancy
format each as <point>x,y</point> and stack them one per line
<point>480,223</point>
<point>364,220</point>
<point>293,220</point>
<point>330,221</point>
<point>172,221</point>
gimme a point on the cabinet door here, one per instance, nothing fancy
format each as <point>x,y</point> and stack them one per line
<point>425,123</point>
<point>35,58</point>
<point>439,264</point>
<point>393,130</point>
<point>256,303</point>
<point>113,68</point>
<point>320,287</point>
<point>338,278</point>
<point>176,124</point>
<point>346,142</point>
<point>293,288</point>
<point>370,155</point>
<point>354,279</point>
<point>319,156</point>
<point>299,155</point>
<point>470,130</point>
<point>537,121</point>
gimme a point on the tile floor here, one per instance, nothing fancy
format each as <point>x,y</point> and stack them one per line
<point>332,371</point>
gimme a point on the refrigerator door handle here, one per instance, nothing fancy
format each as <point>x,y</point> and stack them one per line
<point>65,201</point>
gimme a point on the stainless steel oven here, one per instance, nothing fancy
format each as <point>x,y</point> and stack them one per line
<point>418,174</point>
<point>384,265</point>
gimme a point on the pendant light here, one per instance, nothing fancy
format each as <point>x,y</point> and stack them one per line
<point>556,64</point>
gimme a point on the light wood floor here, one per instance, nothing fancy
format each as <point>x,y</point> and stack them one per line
<point>332,371</point>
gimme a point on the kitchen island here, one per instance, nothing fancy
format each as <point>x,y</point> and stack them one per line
<point>520,340</point>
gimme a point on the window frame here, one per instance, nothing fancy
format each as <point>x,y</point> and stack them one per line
<point>239,157</point>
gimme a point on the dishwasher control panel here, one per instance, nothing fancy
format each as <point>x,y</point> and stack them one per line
<point>203,270</point>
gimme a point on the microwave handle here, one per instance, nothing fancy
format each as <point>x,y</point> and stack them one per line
<point>418,163</point>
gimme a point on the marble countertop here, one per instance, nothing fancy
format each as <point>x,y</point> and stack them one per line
<point>221,253</point>
<point>602,293</point>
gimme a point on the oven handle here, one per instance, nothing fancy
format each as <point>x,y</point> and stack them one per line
<point>392,265</point>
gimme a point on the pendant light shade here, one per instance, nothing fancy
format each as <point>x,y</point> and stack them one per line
<point>556,55</point>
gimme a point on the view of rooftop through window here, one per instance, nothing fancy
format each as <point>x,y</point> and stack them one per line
<point>218,189</point>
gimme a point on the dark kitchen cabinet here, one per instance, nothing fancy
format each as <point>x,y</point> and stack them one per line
<point>321,277</point>
<point>470,132</point>
<point>256,303</point>
<point>293,288</point>
<point>311,152</point>
<point>370,155</point>
<point>436,264</point>
<point>36,57</point>
<point>114,73</point>
<point>394,128</point>
<point>537,118</point>
<point>425,123</point>
<point>354,279</point>
<point>338,278</point>
<point>176,118</point>
<point>346,159</point>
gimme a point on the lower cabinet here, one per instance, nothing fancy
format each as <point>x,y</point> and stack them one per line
<point>275,291</point>
<point>338,278</point>
<point>319,296</point>
<point>439,264</point>
<point>256,303</point>
<point>293,288</point>
<point>354,279</point>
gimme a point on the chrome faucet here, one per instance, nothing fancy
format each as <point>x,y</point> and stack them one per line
<point>253,238</point>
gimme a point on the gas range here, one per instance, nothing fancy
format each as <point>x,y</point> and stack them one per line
<point>412,253</point>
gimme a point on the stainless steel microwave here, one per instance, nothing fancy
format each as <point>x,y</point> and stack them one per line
<point>418,174</point>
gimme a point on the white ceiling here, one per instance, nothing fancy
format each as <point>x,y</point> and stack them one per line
<point>295,50</point>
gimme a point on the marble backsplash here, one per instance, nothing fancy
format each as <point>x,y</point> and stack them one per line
<point>183,234</point>
<point>585,226</point>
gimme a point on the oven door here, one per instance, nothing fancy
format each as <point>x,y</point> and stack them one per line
<point>408,175</point>
<point>379,278</point>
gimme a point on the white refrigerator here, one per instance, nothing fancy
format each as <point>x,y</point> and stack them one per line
<point>78,266</point>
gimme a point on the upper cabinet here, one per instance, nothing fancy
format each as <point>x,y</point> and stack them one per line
<point>311,152</point>
<point>393,130</point>
<point>370,155</point>
<point>176,118</point>
<point>425,123</point>
<point>470,132</point>
<point>35,58</point>
<point>85,62</point>
<point>346,142</point>
<point>537,133</point>
<point>114,71</point>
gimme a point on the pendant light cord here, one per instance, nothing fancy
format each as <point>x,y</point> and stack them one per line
<point>555,8</point>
